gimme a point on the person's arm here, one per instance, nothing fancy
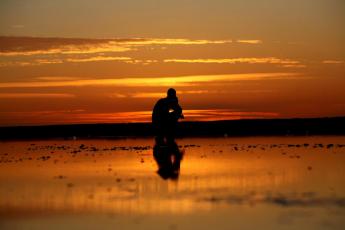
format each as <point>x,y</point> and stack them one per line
<point>156,112</point>
<point>178,109</point>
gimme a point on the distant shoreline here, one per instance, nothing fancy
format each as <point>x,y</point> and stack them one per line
<point>245,127</point>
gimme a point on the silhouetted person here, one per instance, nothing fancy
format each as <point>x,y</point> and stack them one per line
<point>165,115</point>
<point>168,158</point>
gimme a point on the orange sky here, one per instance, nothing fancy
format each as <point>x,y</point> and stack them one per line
<point>109,61</point>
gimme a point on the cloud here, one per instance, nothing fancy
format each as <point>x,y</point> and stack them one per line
<point>143,62</point>
<point>45,61</point>
<point>169,41</point>
<point>17,26</point>
<point>35,95</point>
<point>249,41</point>
<point>81,116</point>
<point>98,58</point>
<point>17,63</point>
<point>150,81</point>
<point>57,78</point>
<point>225,114</point>
<point>70,49</point>
<point>43,112</point>
<point>29,46</point>
<point>333,62</point>
<point>160,94</point>
<point>250,60</point>
<point>190,115</point>
<point>37,62</point>
<point>294,66</point>
<point>35,51</point>
<point>184,92</point>
<point>118,95</point>
<point>139,95</point>
<point>245,60</point>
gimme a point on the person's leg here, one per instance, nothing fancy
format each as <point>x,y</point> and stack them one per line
<point>159,134</point>
<point>159,140</point>
<point>171,134</point>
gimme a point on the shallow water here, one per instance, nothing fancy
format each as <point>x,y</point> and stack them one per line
<point>237,183</point>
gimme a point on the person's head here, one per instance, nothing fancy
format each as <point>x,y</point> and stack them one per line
<point>171,94</point>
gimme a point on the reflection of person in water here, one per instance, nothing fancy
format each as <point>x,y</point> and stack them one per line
<point>165,115</point>
<point>168,158</point>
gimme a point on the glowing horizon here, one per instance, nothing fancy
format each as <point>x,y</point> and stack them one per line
<point>80,117</point>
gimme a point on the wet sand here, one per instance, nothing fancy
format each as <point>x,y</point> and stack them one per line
<point>223,183</point>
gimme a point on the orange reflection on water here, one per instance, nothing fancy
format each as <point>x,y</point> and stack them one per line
<point>120,176</point>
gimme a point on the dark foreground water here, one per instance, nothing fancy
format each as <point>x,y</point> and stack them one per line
<point>223,183</point>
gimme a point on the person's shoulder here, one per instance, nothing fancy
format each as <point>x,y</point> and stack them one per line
<point>162,100</point>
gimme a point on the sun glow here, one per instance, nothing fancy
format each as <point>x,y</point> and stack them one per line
<point>150,81</point>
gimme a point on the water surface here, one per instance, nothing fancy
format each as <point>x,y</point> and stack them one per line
<point>237,183</point>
